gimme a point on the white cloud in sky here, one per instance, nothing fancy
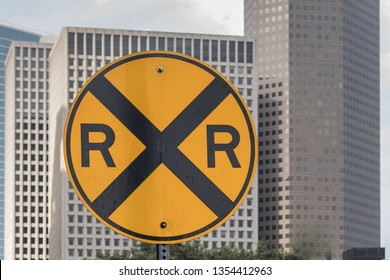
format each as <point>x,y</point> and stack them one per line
<point>194,16</point>
<point>385,46</point>
<point>385,22</point>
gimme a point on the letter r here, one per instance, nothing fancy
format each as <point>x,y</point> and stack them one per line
<point>87,146</point>
<point>228,148</point>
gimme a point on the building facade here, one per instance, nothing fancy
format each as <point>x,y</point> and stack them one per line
<point>8,33</point>
<point>80,52</point>
<point>318,106</point>
<point>26,156</point>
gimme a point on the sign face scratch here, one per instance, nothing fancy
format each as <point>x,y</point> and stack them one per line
<point>160,147</point>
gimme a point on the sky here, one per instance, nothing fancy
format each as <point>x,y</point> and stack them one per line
<point>193,16</point>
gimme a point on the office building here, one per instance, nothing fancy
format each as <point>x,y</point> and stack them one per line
<point>318,108</point>
<point>8,33</point>
<point>80,52</point>
<point>26,156</point>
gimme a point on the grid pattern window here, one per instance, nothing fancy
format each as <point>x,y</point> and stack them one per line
<point>272,173</point>
<point>31,152</point>
<point>100,52</point>
<point>361,123</point>
<point>88,51</point>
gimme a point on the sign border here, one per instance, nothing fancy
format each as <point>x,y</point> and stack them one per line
<point>126,232</point>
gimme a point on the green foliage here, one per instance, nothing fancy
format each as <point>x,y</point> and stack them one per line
<point>195,251</point>
<point>264,251</point>
<point>188,251</point>
<point>143,251</point>
<point>113,257</point>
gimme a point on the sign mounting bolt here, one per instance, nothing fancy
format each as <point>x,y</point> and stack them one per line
<point>163,225</point>
<point>160,69</point>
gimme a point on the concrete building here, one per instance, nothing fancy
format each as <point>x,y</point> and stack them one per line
<point>80,52</point>
<point>26,156</point>
<point>8,33</point>
<point>318,89</point>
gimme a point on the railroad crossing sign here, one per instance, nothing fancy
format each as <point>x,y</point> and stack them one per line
<point>160,147</point>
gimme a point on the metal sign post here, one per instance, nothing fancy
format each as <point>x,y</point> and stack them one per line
<point>163,252</point>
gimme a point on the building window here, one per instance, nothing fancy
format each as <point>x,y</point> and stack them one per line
<point>125,45</point>
<point>70,218</point>
<point>98,44</point>
<point>232,51</point>
<point>223,52</point>
<point>179,45</point>
<point>89,43</point>
<point>214,50</point>
<point>249,52</point>
<point>240,52</point>
<point>188,46</point>
<point>161,43</point>
<point>107,45</point>
<point>152,43</point>
<point>143,43</point>
<point>70,43</point>
<point>197,48</point>
<point>170,44</point>
<point>116,45</point>
<point>206,44</point>
<point>134,44</point>
<point>80,43</point>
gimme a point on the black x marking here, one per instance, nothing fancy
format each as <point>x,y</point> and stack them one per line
<point>161,147</point>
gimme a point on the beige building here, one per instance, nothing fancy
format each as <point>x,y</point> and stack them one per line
<point>318,87</point>
<point>27,191</point>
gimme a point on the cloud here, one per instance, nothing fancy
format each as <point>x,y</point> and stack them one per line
<point>385,48</point>
<point>169,15</point>
<point>385,22</point>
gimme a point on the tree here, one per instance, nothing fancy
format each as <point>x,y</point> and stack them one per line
<point>265,251</point>
<point>188,251</point>
<point>227,253</point>
<point>143,251</point>
<point>124,256</point>
<point>195,251</point>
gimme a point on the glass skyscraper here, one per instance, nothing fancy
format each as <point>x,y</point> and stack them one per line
<point>319,158</point>
<point>26,194</point>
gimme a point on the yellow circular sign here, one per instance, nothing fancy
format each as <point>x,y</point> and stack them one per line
<point>160,147</point>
